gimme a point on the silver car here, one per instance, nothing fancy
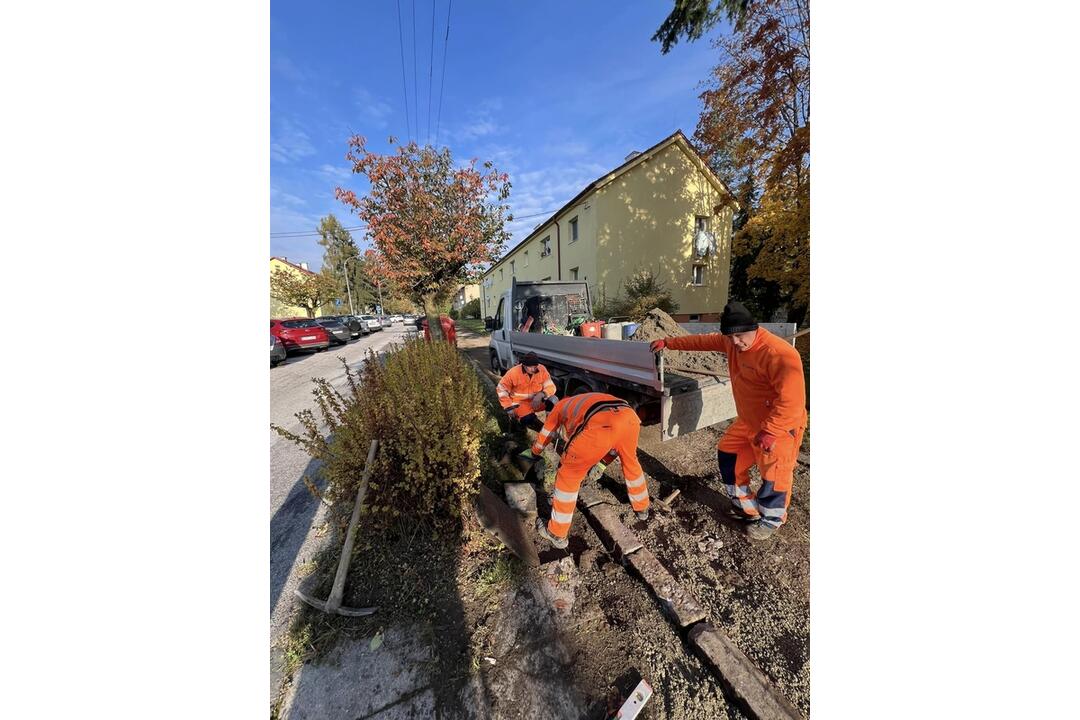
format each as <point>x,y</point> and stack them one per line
<point>372,322</point>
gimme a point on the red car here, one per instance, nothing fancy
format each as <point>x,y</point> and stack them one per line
<point>300,334</point>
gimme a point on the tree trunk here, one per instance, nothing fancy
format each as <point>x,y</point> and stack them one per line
<point>432,315</point>
<point>310,312</point>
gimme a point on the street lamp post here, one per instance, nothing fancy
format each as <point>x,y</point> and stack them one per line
<point>345,270</point>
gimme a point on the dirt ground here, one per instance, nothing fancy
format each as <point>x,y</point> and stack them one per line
<point>471,633</point>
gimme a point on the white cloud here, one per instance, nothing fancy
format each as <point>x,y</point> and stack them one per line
<point>290,143</point>
<point>335,173</point>
<point>374,112</point>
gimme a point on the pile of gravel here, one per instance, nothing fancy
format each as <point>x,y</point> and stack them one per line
<point>658,324</point>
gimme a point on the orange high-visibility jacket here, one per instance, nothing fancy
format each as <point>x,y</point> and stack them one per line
<point>517,387</point>
<point>766,379</point>
<point>571,413</point>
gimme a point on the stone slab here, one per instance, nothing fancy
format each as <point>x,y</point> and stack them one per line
<point>522,498</point>
<point>589,494</point>
<point>616,537</point>
<point>497,518</point>
<point>740,677</point>
<point>678,604</point>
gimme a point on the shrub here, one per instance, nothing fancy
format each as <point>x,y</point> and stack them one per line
<point>454,315</point>
<point>424,405</point>
<point>471,309</point>
<point>643,293</point>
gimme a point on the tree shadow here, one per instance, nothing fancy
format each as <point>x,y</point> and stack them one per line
<point>289,527</point>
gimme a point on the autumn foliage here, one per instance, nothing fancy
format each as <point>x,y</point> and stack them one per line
<point>303,289</point>
<point>433,224</point>
<point>755,131</point>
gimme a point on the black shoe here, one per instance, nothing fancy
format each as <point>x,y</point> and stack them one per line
<point>760,531</point>
<point>541,527</point>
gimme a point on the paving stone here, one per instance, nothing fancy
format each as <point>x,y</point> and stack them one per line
<point>679,605</point>
<point>741,678</point>
<point>616,537</point>
<point>521,497</point>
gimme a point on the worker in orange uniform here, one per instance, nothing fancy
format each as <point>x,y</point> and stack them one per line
<point>770,399</point>
<point>526,389</point>
<point>598,427</point>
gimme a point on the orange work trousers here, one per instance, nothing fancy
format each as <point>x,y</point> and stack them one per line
<point>736,453</point>
<point>615,430</point>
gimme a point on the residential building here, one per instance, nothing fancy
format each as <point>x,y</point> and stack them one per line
<point>278,309</point>
<point>662,210</point>
<point>465,294</point>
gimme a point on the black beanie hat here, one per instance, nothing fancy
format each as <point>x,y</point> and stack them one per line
<point>736,319</point>
<point>530,359</point>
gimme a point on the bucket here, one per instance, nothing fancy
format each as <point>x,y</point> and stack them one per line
<point>628,330</point>
<point>612,331</point>
<point>591,329</point>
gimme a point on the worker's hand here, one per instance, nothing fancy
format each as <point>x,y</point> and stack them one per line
<point>528,455</point>
<point>537,402</point>
<point>658,345</point>
<point>764,440</point>
<point>510,414</point>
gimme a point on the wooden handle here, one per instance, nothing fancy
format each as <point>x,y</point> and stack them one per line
<point>338,590</point>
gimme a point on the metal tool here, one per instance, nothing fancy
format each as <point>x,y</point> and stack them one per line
<point>333,605</point>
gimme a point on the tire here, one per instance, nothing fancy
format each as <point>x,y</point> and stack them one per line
<point>495,365</point>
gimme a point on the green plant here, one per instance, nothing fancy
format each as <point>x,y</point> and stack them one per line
<point>643,293</point>
<point>454,314</point>
<point>471,309</point>
<point>424,405</point>
<point>504,570</point>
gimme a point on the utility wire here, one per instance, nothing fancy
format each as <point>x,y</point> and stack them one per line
<point>404,88</point>
<point>431,68</point>
<point>415,94</point>
<point>442,81</point>
<point>303,233</point>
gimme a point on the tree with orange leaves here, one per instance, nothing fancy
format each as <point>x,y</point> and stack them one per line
<point>432,224</point>
<point>755,131</point>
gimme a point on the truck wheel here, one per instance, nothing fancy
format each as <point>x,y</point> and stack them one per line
<point>495,366</point>
<point>578,387</point>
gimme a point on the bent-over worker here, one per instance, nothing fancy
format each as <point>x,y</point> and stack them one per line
<point>770,399</point>
<point>526,389</point>
<point>598,427</point>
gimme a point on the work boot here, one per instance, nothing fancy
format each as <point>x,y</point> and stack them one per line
<point>541,528</point>
<point>760,531</point>
<point>642,515</point>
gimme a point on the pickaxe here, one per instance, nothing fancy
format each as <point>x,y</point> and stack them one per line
<point>333,605</point>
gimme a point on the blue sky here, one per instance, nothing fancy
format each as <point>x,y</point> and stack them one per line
<point>554,93</point>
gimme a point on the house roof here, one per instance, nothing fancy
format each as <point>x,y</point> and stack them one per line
<point>283,260</point>
<point>607,177</point>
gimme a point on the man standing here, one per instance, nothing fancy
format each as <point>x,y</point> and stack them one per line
<point>598,428</point>
<point>526,389</point>
<point>770,399</point>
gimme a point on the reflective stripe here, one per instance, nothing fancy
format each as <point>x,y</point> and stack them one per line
<point>772,512</point>
<point>643,495</point>
<point>636,483</point>
<point>502,392</point>
<point>544,432</point>
<point>537,449</point>
<point>560,517</point>
<point>523,395</point>
<point>565,496</point>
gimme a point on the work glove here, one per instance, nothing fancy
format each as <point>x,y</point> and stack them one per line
<point>597,471</point>
<point>537,402</point>
<point>529,456</point>
<point>764,440</point>
<point>658,345</point>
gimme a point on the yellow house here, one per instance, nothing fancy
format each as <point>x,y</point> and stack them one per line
<point>279,309</point>
<point>465,294</point>
<point>662,210</point>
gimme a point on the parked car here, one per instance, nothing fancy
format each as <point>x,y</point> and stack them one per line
<point>277,351</point>
<point>396,319</point>
<point>372,322</point>
<point>300,334</point>
<point>339,334</point>
<point>384,320</point>
<point>355,325</point>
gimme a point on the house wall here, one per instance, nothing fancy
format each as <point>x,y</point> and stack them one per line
<point>647,222</point>
<point>279,309</point>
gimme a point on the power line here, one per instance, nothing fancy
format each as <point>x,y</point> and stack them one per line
<point>442,81</point>
<point>304,233</point>
<point>431,67</point>
<point>404,89</point>
<point>415,94</point>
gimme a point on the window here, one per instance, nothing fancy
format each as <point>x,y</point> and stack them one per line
<point>499,314</point>
<point>699,275</point>
<point>500,274</point>
<point>573,230</point>
<point>695,318</point>
<point>701,222</point>
<point>512,273</point>
<point>526,263</point>
<point>573,273</point>
<point>545,246</point>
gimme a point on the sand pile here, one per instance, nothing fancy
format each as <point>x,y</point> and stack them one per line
<point>658,324</point>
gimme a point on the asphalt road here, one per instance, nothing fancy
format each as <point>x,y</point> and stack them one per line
<point>293,510</point>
